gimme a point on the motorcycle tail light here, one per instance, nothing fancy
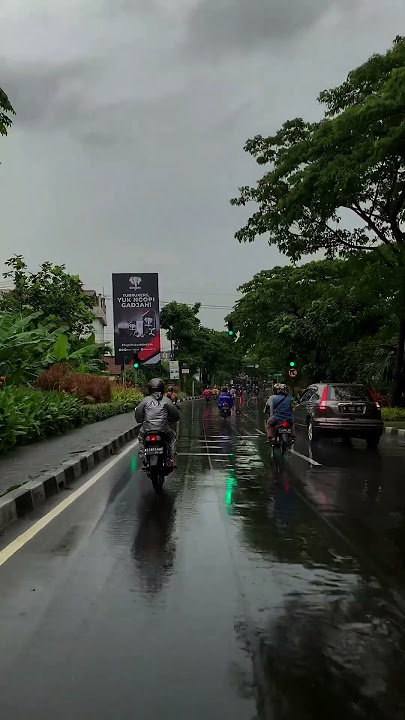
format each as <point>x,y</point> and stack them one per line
<point>286,424</point>
<point>154,438</point>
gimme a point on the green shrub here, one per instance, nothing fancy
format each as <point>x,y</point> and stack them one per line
<point>393,414</point>
<point>129,397</point>
<point>102,411</point>
<point>27,415</point>
<point>124,401</point>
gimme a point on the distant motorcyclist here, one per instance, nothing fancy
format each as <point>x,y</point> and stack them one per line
<point>279,408</point>
<point>232,392</point>
<point>225,398</point>
<point>156,413</point>
<point>171,395</point>
<point>215,391</point>
<point>207,394</point>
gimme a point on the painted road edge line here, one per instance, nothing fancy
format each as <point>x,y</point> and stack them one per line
<point>29,534</point>
<point>32,494</point>
<point>305,457</point>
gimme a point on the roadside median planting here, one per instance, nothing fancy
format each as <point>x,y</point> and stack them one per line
<point>124,400</point>
<point>88,387</point>
<point>394,414</point>
<point>28,415</point>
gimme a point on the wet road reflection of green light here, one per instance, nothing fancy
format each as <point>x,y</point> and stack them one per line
<point>134,463</point>
<point>230,487</point>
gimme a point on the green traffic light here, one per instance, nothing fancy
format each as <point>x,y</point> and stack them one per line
<point>136,366</point>
<point>292,363</point>
<point>230,332</point>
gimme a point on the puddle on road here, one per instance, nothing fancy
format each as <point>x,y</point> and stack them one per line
<point>325,633</point>
<point>329,637</point>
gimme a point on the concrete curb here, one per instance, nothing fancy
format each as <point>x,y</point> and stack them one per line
<point>395,432</point>
<point>32,494</point>
<point>17,503</point>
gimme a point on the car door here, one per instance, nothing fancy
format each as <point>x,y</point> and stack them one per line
<point>301,411</point>
<point>313,403</point>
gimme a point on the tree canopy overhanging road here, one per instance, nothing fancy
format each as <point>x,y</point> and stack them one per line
<point>338,185</point>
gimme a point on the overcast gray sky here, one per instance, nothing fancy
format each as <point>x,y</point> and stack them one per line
<point>131,121</point>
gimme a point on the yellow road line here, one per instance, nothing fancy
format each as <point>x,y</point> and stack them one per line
<point>29,534</point>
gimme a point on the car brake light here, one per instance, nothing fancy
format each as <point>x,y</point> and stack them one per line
<point>374,398</point>
<point>322,404</point>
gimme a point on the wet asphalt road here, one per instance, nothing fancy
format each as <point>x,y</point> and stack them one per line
<point>255,587</point>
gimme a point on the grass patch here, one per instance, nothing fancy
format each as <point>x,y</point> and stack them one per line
<point>393,414</point>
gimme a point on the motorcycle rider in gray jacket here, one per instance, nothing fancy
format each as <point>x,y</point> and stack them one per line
<point>156,413</point>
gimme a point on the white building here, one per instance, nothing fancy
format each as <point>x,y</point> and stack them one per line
<point>100,314</point>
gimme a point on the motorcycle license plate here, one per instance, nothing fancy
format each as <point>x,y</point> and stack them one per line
<point>154,451</point>
<point>285,430</point>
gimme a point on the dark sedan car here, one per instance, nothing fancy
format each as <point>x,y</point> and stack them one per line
<point>340,410</point>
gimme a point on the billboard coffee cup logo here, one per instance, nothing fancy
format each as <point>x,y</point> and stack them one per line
<point>135,282</point>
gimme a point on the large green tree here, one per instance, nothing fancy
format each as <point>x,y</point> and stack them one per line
<point>183,325</point>
<point>332,317</point>
<point>196,346</point>
<point>350,163</point>
<point>51,290</point>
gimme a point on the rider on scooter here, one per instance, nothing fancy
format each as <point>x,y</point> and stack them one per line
<point>279,407</point>
<point>225,398</point>
<point>156,413</point>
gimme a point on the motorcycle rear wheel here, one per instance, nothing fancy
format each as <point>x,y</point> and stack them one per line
<point>157,478</point>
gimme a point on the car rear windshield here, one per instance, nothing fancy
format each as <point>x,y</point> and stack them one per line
<point>349,392</point>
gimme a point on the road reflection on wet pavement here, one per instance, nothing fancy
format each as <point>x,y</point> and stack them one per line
<point>254,587</point>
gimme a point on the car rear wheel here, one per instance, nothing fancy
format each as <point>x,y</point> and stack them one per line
<point>313,432</point>
<point>373,440</point>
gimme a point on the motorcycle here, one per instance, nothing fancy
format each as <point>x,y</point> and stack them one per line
<point>225,411</point>
<point>283,438</point>
<point>158,462</point>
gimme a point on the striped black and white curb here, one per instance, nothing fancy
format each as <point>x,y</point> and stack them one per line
<point>395,432</point>
<point>32,494</point>
<point>17,503</point>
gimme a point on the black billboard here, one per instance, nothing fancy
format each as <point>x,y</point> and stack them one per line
<point>136,317</point>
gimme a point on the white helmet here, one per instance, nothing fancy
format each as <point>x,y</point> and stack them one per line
<point>281,389</point>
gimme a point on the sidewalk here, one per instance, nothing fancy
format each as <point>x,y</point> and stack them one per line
<point>30,462</point>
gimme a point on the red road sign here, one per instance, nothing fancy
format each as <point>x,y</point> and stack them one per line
<point>293,373</point>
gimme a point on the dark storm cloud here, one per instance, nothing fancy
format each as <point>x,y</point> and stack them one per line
<point>49,95</point>
<point>223,25</point>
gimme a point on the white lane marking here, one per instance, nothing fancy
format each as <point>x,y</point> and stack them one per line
<point>294,452</point>
<point>205,454</point>
<point>29,534</point>
<point>305,457</point>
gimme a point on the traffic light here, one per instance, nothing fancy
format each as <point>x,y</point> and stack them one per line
<point>230,328</point>
<point>292,363</point>
<point>137,362</point>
